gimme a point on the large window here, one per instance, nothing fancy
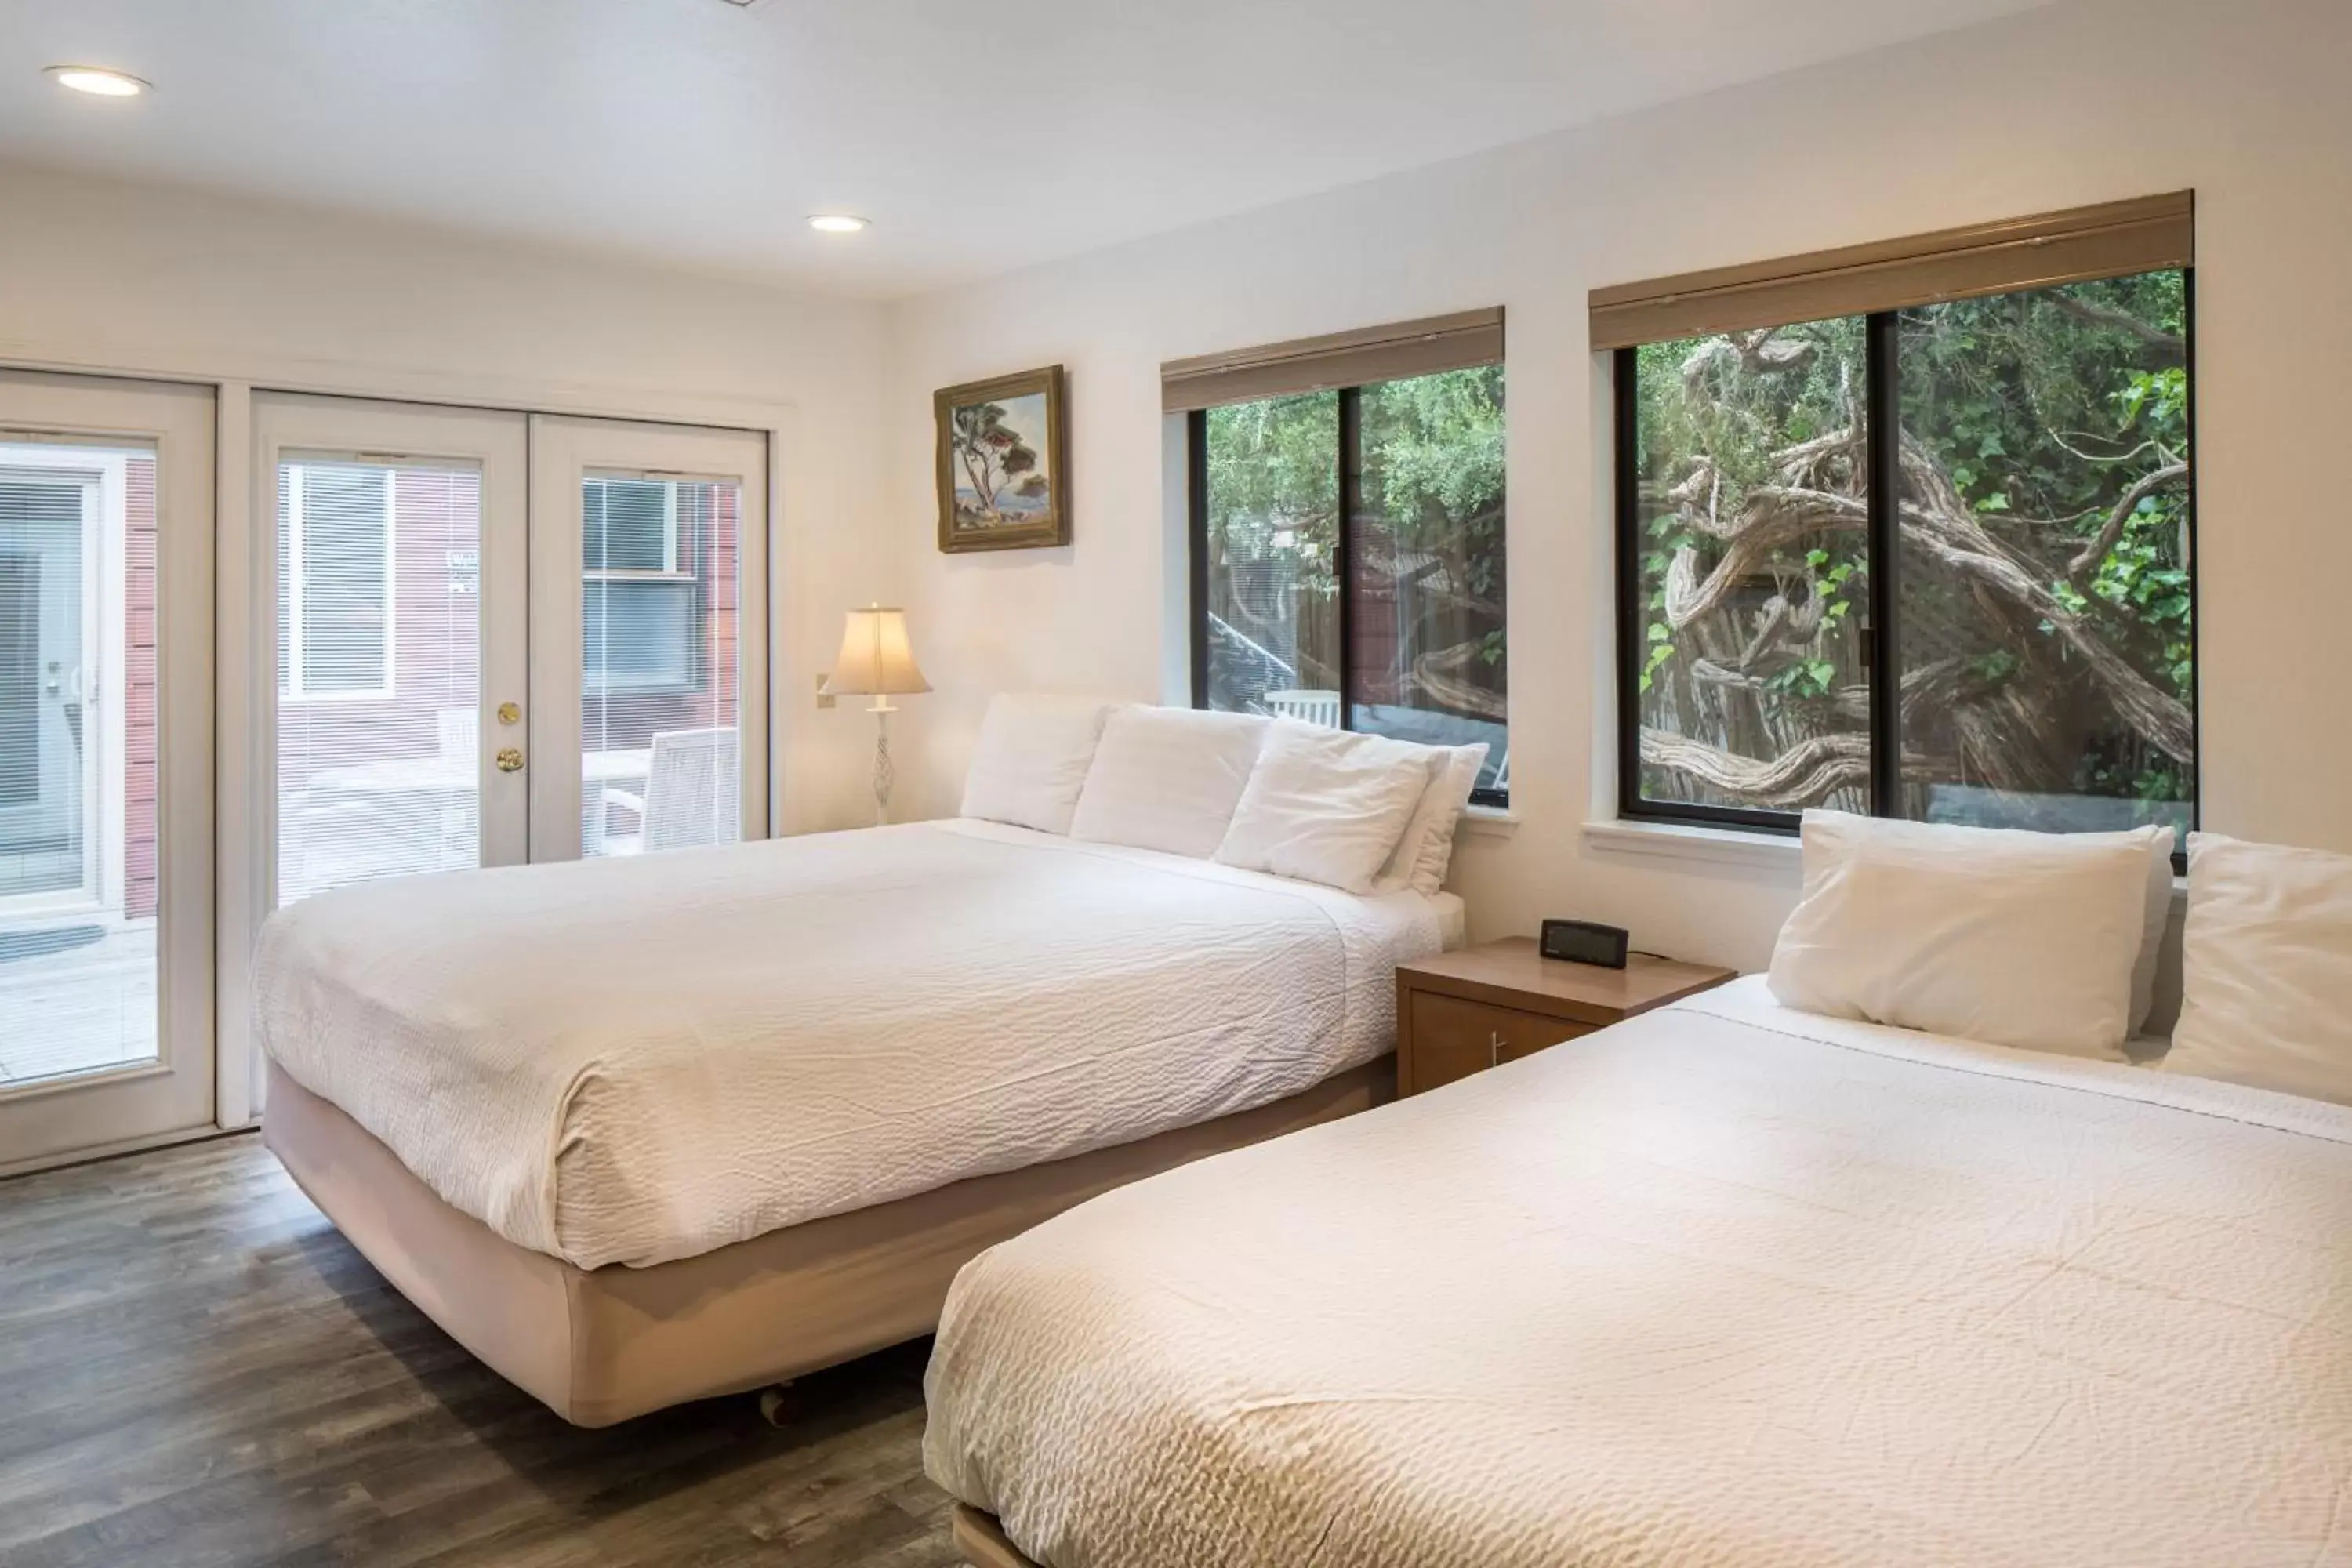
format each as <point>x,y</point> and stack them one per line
<point>1932,561</point>
<point>1349,560</point>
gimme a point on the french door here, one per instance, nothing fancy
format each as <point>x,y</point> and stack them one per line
<point>496,639</point>
<point>502,637</point>
<point>106,763</point>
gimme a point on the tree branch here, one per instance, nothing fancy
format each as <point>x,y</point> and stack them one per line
<point>2155,480</point>
<point>2170,345</point>
<point>1803,774</point>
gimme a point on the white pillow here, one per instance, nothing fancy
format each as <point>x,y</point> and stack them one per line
<point>1167,778</point>
<point>1427,847</point>
<point>1325,806</point>
<point>1032,759</point>
<point>1988,933</point>
<point>2266,968</point>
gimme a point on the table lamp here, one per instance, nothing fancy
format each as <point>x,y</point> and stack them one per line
<point>875,661</point>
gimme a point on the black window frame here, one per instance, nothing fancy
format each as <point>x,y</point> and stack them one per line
<point>1881,637</point>
<point>1343,556</point>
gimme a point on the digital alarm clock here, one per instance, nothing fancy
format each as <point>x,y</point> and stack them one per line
<point>1581,941</point>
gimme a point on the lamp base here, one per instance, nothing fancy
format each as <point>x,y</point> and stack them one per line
<point>885,775</point>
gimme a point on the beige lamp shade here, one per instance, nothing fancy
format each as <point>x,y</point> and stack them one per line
<point>874,660</point>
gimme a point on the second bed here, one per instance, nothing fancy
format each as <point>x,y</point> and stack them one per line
<point>1724,1284</point>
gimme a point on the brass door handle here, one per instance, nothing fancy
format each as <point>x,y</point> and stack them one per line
<point>510,760</point>
<point>510,713</point>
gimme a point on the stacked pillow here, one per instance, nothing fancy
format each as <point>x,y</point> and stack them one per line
<point>1167,778</point>
<point>2046,941</point>
<point>1030,764</point>
<point>2266,969</point>
<point>2050,942</point>
<point>1359,812</point>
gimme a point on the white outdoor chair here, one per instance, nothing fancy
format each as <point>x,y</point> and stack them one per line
<point>1503,774</point>
<point>694,789</point>
<point>1307,707</point>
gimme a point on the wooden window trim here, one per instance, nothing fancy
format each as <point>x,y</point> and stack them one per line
<point>2112,239</point>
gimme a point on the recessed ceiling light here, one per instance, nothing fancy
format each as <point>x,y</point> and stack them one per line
<point>836,222</point>
<point>98,81</point>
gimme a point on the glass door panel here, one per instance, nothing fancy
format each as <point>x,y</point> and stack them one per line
<point>392,622</point>
<point>76,966</point>
<point>379,691</point>
<point>657,663</point>
<point>105,749</point>
<point>647,737</point>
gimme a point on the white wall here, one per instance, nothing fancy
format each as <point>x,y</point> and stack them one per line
<point>96,274</point>
<point>2084,103</point>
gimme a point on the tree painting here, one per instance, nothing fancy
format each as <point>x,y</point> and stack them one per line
<point>998,478</point>
<point>2042,648</point>
<point>1003,462</point>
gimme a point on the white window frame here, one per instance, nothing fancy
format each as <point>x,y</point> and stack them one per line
<point>291,685</point>
<point>670,572</point>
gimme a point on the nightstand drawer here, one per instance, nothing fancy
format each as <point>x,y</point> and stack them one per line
<point>1454,1038</point>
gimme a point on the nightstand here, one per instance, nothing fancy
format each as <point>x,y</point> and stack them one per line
<point>1461,1013</point>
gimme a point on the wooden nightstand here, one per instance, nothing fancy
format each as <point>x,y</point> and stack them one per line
<point>1461,1013</point>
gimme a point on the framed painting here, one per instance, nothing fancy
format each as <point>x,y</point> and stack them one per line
<point>1004,463</point>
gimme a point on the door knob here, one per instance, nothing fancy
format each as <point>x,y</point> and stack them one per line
<point>510,714</point>
<point>510,760</point>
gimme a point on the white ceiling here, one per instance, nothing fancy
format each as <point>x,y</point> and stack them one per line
<point>977,137</point>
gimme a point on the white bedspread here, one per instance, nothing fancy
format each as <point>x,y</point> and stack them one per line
<point>1695,1289</point>
<point>641,1059</point>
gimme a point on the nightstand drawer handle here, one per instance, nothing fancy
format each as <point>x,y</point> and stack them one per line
<point>1494,1048</point>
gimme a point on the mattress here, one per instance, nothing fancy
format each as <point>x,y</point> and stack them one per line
<point>638,1060</point>
<point>1722,1284</point>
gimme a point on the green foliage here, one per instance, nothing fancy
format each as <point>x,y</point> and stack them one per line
<point>1710,409</point>
<point>1273,473</point>
<point>1430,479</point>
<point>2044,410</point>
<point>1432,466</point>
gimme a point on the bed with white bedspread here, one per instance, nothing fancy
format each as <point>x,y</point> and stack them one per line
<point>642,1061</point>
<point>1727,1284</point>
<point>901,1039</point>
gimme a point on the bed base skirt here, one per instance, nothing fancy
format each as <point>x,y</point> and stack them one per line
<point>599,1346</point>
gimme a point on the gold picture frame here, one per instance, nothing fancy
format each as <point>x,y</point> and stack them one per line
<point>1003,473</point>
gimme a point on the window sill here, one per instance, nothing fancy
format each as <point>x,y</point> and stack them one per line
<point>1712,846</point>
<point>1487,822</point>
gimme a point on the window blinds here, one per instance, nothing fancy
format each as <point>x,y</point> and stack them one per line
<point>1359,358</point>
<point>2111,240</point>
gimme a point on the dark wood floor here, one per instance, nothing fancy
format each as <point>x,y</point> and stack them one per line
<point>196,1370</point>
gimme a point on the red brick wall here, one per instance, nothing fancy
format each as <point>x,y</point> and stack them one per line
<point>138,690</point>
<point>435,658</point>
